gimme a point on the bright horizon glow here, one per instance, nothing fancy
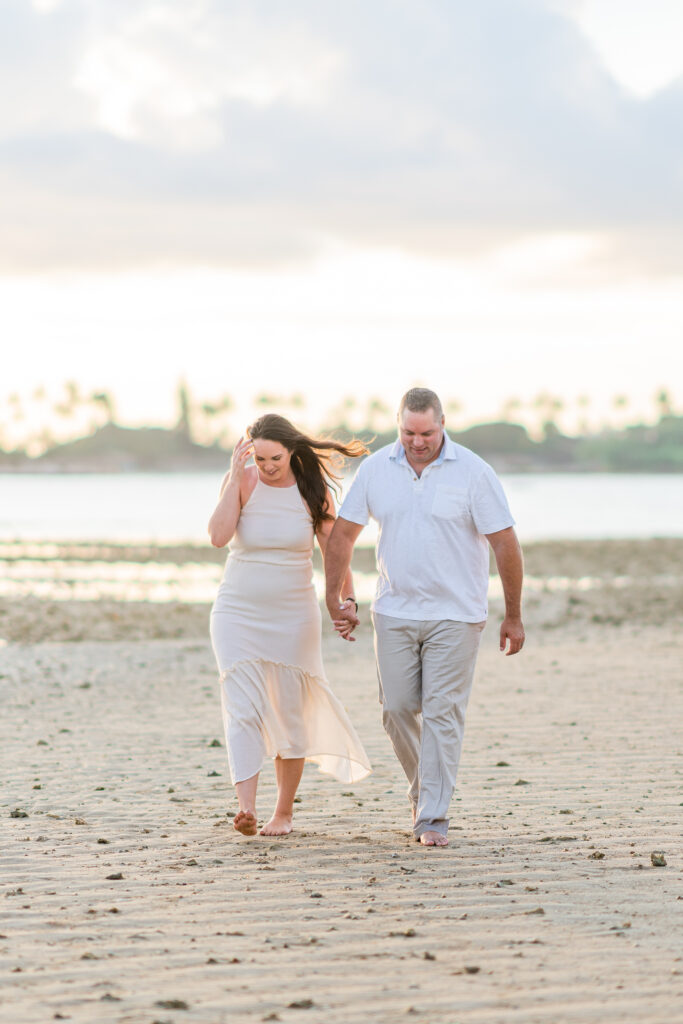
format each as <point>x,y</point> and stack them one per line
<point>357,322</point>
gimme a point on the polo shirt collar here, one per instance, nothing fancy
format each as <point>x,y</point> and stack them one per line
<point>448,451</point>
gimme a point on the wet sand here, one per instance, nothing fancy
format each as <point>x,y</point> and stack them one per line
<point>545,907</point>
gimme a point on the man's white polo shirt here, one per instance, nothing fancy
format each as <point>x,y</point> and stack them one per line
<point>432,555</point>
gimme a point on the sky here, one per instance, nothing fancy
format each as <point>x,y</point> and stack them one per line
<point>342,199</point>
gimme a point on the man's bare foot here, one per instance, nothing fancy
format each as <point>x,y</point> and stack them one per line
<point>279,825</point>
<point>433,839</point>
<point>246,823</point>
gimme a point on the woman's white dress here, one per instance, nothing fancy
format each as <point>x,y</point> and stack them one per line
<point>266,635</point>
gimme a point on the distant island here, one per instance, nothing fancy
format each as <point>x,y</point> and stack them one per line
<point>113,448</point>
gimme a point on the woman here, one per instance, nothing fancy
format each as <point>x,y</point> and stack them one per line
<point>265,622</point>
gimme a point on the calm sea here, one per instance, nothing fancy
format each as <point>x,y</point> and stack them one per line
<point>166,507</point>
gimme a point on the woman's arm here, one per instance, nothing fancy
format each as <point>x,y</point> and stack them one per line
<point>236,487</point>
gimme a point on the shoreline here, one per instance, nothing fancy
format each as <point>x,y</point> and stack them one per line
<point>572,586</point>
<point>542,557</point>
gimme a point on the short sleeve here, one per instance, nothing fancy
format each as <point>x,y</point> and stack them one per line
<point>490,509</point>
<point>355,505</point>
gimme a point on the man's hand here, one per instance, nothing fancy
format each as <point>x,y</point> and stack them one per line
<point>511,568</point>
<point>338,551</point>
<point>345,620</point>
<point>511,630</point>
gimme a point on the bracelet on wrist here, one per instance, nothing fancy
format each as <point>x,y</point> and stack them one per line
<point>349,598</point>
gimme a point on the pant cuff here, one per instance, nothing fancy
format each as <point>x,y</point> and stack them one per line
<point>430,826</point>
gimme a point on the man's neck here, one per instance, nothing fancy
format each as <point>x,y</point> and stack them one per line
<point>419,467</point>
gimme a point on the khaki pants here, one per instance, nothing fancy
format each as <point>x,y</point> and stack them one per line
<point>425,672</point>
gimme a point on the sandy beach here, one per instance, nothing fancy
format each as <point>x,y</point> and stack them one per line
<point>127,896</point>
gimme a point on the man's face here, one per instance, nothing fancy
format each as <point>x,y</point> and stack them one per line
<point>421,435</point>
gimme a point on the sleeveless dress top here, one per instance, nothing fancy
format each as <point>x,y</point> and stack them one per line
<point>266,636</point>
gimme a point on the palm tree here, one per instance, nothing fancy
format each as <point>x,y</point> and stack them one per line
<point>342,416</point>
<point>39,397</point>
<point>583,402</point>
<point>216,411</point>
<point>378,415</point>
<point>266,399</point>
<point>73,393</point>
<point>349,406</point>
<point>14,401</point>
<point>548,406</point>
<point>103,400</point>
<point>184,421</point>
<point>664,403</point>
<point>45,439</point>
<point>67,406</point>
<point>510,407</point>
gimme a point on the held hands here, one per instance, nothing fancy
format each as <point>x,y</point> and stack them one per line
<point>345,619</point>
<point>241,454</point>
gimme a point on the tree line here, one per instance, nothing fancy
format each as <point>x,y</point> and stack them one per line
<point>203,431</point>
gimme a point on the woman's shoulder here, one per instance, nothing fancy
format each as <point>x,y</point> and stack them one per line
<point>248,483</point>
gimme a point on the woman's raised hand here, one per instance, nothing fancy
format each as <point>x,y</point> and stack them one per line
<point>240,456</point>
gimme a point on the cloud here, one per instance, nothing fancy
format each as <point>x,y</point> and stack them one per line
<point>161,73</point>
<point>216,132</point>
<point>641,48</point>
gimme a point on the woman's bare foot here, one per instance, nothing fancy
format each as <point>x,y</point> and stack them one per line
<point>433,839</point>
<point>246,823</point>
<point>279,825</point>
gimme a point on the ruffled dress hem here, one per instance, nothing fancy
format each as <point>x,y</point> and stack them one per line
<point>272,709</point>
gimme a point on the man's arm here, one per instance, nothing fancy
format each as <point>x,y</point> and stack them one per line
<point>338,553</point>
<point>323,535</point>
<point>508,555</point>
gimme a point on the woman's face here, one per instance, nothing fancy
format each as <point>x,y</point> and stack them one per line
<point>272,460</point>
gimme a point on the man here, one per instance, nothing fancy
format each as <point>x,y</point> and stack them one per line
<point>437,505</point>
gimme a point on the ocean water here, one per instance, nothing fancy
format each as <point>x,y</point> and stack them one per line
<point>170,507</point>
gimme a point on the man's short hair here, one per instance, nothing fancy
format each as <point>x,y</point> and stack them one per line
<point>419,400</point>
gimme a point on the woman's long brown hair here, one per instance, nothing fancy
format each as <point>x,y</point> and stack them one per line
<point>313,460</point>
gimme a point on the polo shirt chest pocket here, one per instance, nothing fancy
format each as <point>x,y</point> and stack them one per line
<point>451,503</point>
